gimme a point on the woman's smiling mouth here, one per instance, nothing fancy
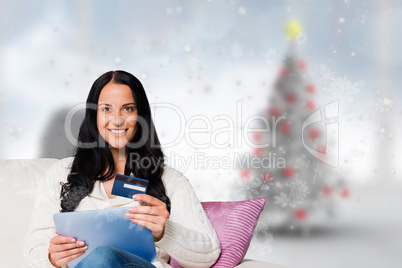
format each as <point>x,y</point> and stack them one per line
<point>118,132</point>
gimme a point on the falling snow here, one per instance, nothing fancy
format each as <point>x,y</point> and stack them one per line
<point>298,191</point>
<point>383,105</point>
<point>110,216</point>
<point>327,75</point>
<point>249,188</point>
<point>354,117</point>
<point>261,243</point>
<point>343,89</point>
<point>283,200</point>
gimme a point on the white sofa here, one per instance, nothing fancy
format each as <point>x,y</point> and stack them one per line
<point>19,180</point>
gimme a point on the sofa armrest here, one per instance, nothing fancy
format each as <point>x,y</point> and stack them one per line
<point>247,263</point>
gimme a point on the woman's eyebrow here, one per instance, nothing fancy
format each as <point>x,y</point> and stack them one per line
<point>106,104</point>
<point>132,103</point>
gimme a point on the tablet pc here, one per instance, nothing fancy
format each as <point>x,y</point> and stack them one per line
<point>106,227</point>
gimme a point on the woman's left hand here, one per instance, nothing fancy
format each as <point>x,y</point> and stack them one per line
<point>152,214</point>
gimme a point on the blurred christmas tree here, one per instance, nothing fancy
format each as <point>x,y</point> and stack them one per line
<point>292,169</point>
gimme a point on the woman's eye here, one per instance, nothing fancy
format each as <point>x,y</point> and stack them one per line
<point>106,109</point>
<point>129,109</point>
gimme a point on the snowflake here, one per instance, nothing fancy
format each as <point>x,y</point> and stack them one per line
<point>356,118</point>
<point>132,225</point>
<point>283,200</point>
<point>343,88</point>
<point>327,75</point>
<point>301,38</point>
<point>298,191</point>
<point>264,186</point>
<point>110,215</point>
<point>137,228</point>
<point>261,243</point>
<point>383,105</point>
<point>249,188</point>
<point>265,181</point>
<point>382,133</point>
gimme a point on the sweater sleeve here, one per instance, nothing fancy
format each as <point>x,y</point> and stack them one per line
<point>189,236</point>
<point>41,226</point>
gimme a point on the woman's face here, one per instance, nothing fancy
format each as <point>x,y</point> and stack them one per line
<point>116,115</point>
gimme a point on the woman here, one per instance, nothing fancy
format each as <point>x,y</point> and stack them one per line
<point>116,133</point>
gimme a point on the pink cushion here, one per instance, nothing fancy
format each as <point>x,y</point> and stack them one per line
<point>234,223</point>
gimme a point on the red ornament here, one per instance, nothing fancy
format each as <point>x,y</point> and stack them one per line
<point>302,64</point>
<point>245,174</point>
<point>257,136</point>
<point>291,98</point>
<point>274,111</point>
<point>283,71</point>
<point>266,177</point>
<point>285,128</point>
<point>322,149</point>
<point>345,193</point>
<point>311,88</point>
<point>258,152</point>
<point>310,105</point>
<point>314,133</point>
<point>300,214</point>
<point>327,190</point>
<point>289,172</point>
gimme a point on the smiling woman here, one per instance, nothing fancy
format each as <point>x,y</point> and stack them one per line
<point>118,127</point>
<point>117,115</point>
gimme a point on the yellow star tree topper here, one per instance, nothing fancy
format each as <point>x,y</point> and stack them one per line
<point>293,29</point>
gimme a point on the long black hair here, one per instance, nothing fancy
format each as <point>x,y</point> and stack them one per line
<point>94,162</point>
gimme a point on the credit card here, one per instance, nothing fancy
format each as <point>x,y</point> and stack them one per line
<point>127,186</point>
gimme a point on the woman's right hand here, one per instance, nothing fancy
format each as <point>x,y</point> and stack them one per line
<point>64,249</point>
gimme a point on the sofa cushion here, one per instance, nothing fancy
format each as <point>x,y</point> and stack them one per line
<point>234,223</point>
<point>19,179</point>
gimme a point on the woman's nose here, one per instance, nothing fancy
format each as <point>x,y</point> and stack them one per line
<point>118,119</point>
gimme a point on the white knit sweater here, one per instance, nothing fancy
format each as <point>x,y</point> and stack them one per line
<point>189,236</point>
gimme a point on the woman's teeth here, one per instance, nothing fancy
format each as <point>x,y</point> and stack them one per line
<point>117,131</point>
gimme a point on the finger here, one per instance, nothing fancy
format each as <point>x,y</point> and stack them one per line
<point>152,201</point>
<point>147,218</point>
<point>68,247</point>
<point>59,239</point>
<point>156,229</point>
<point>71,251</point>
<point>66,259</point>
<point>59,256</point>
<point>150,225</point>
<point>59,248</point>
<point>145,210</point>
